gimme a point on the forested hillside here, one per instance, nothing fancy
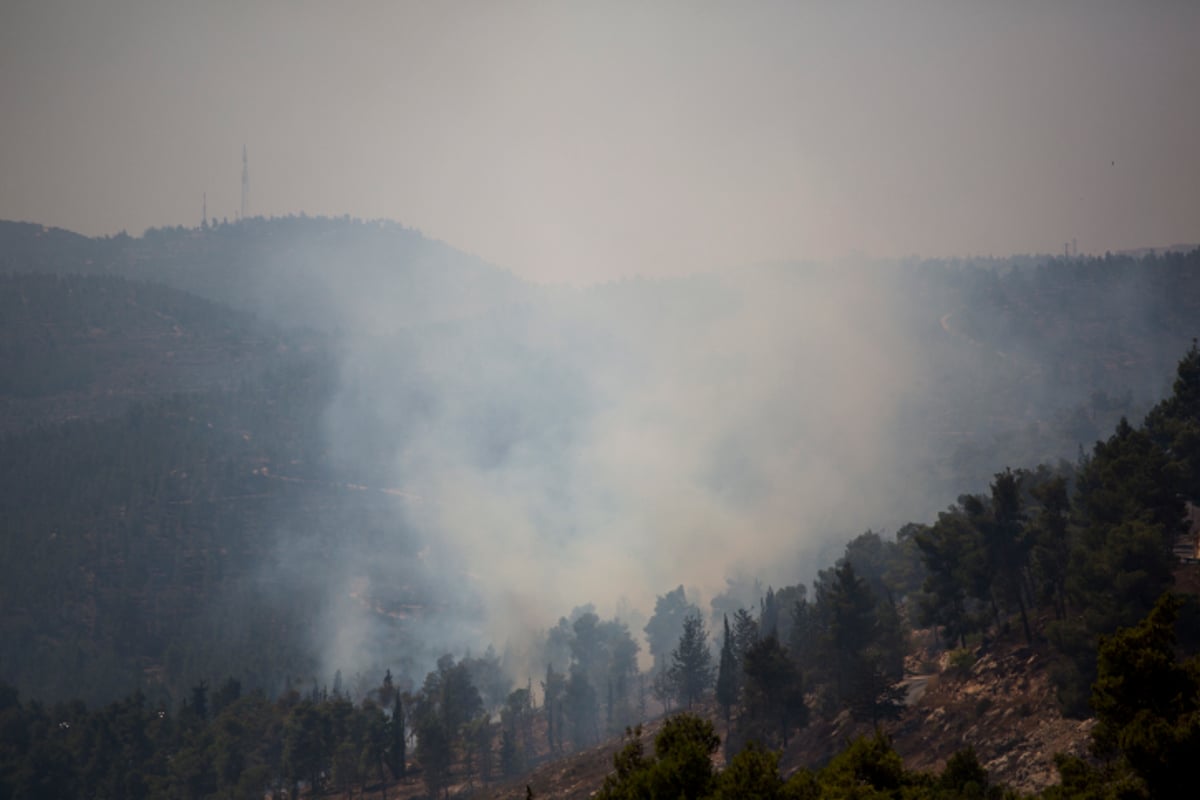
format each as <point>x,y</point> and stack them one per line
<point>250,470</point>
<point>74,346</point>
<point>1040,556</point>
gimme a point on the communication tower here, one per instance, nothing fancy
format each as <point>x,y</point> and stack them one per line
<point>245,184</point>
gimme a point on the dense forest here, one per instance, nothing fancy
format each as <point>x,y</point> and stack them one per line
<point>229,571</point>
<point>1039,541</point>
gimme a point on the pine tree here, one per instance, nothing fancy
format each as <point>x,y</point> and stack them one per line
<point>582,706</point>
<point>665,627</point>
<point>952,551</point>
<point>768,617</point>
<point>1147,703</point>
<point>774,693</point>
<point>435,750</point>
<point>866,646</point>
<point>691,662</point>
<point>553,694</point>
<point>727,675</point>
<point>1175,423</point>
<point>1050,557</point>
<point>516,737</point>
<point>397,739</point>
<point>1008,544</point>
<point>745,633</point>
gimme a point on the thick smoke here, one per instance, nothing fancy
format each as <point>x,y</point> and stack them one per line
<point>605,445</point>
<point>540,448</point>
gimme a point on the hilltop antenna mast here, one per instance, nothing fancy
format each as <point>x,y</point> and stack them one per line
<point>245,183</point>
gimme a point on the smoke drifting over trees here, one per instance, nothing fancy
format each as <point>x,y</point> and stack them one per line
<point>460,456</point>
<point>594,445</point>
<point>588,446</point>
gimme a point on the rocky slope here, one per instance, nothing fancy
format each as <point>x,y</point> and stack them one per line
<point>1002,704</point>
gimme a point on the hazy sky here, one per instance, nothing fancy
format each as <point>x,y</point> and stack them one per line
<point>582,141</point>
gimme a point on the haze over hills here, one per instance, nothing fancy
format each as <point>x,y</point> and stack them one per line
<point>310,452</point>
<point>384,423</point>
<point>296,271</point>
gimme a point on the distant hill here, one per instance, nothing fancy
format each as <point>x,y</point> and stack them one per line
<point>295,271</point>
<point>83,346</point>
<point>1139,252</point>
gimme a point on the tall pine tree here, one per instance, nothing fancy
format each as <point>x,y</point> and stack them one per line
<point>727,676</point>
<point>691,662</point>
